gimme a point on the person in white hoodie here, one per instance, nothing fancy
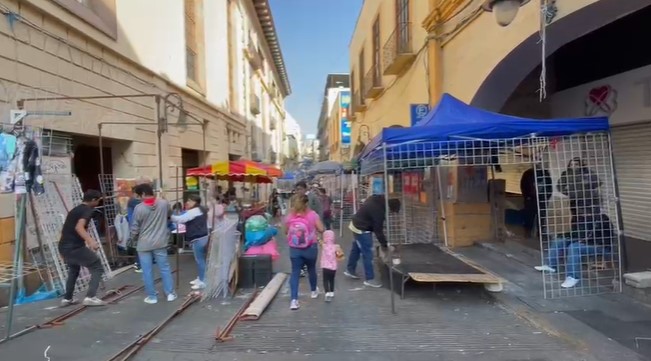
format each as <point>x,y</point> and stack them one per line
<point>196,231</point>
<point>150,234</point>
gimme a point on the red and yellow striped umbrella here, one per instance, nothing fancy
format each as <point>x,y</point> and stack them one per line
<point>237,171</point>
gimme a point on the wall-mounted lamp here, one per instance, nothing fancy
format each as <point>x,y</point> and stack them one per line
<point>504,10</point>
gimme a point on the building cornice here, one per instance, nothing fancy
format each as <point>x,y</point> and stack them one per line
<point>263,12</point>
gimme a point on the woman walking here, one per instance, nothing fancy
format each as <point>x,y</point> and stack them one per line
<point>302,225</point>
<point>196,231</point>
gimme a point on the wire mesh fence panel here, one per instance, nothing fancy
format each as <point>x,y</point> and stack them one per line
<point>574,199</point>
<point>579,217</point>
<point>50,215</point>
<point>347,200</point>
<point>224,243</point>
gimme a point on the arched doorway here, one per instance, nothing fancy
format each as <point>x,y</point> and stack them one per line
<point>604,72</point>
<point>514,68</point>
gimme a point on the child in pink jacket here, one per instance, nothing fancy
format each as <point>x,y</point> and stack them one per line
<point>330,254</point>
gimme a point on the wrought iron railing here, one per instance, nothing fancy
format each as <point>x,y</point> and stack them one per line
<point>399,43</point>
<point>372,79</point>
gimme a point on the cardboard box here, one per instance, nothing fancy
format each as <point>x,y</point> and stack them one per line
<point>7,205</point>
<point>6,239</point>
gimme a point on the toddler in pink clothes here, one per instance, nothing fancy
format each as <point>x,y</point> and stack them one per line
<point>330,254</point>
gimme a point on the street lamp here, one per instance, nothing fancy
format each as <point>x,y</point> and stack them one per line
<point>504,10</point>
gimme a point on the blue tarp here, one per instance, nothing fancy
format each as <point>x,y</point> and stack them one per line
<point>452,120</point>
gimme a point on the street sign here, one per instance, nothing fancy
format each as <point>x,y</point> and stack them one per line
<point>418,112</point>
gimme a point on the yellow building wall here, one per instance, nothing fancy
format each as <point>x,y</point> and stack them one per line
<point>392,106</point>
<point>334,132</point>
<point>470,55</point>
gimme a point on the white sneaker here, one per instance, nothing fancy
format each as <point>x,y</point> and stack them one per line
<point>151,300</point>
<point>93,301</point>
<point>171,297</point>
<point>569,282</point>
<point>315,293</point>
<point>65,302</point>
<point>329,296</point>
<point>545,268</point>
<point>294,305</point>
<point>351,275</point>
<point>198,285</point>
<point>194,281</point>
<point>373,283</point>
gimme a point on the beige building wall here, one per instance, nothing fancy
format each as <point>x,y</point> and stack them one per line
<point>402,69</point>
<point>61,48</point>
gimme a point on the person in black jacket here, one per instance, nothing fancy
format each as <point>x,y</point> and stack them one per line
<point>581,185</point>
<point>535,197</point>
<point>369,220</point>
<point>590,236</point>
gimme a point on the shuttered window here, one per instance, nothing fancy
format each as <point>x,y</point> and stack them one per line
<point>191,43</point>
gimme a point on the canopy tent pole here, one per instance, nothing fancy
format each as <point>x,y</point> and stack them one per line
<point>442,202</point>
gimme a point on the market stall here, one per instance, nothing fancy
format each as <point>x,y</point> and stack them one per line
<point>443,172</point>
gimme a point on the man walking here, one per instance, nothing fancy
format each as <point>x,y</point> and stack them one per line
<point>77,248</point>
<point>150,233</point>
<point>369,219</point>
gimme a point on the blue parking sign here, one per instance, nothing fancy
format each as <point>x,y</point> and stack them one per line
<point>418,112</point>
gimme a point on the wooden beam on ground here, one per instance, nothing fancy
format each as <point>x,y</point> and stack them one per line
<point>257,307</point>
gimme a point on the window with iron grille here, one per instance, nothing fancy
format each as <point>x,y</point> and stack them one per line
<point>402,23</point>
<point>361,76</point>
<point>376,51</point>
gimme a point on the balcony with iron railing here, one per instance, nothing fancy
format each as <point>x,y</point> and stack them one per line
<point>373,83</point>
<point>398,52</point>
<point>253,55</point>
<point>358,104</point>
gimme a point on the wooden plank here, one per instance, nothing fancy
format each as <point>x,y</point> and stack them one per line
<point>461,278</point>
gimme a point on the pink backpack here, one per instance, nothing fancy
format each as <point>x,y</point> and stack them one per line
<point>298,232</point>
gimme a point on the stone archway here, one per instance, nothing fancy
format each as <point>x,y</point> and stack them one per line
<point>521,61</point>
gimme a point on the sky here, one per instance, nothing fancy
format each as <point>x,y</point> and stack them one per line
<point>314,37</point>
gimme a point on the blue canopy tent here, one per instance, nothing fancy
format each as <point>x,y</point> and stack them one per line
<point>466,136</point>
<point>453,120</point>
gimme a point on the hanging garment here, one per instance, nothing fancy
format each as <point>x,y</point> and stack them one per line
<point>32,168</point>
<point>5,158</point>
<point>122,230</point>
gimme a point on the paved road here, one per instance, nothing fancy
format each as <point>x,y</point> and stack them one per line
<point>451,323</point>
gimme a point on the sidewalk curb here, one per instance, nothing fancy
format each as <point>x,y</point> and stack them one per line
<point>594,344</point>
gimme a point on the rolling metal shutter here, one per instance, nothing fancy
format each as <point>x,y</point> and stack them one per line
<point>632,153</point>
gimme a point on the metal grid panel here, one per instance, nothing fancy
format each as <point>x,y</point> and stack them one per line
<point>572,212</point>
<point>347,205</point>
<point>579,217</point>
<point>108,188</point>
<point>222,252</point>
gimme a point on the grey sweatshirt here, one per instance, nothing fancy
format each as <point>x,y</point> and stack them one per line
<point>149,226</point>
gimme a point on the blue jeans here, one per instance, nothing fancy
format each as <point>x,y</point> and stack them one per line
<point>574,252</point>
<point>303,257</point>
<point>146,259</point>
<point>200,250</point>
<point>362,245</point>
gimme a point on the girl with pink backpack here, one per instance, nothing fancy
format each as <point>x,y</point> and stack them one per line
<point>302,225</point>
